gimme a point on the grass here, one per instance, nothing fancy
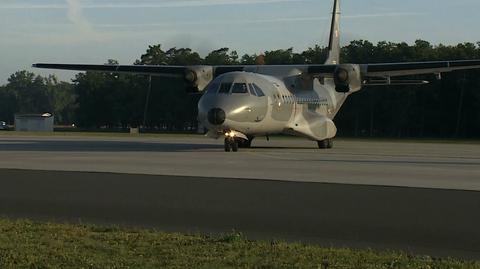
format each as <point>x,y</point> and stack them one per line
<point>26,244</point>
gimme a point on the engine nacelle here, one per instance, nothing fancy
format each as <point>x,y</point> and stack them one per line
<point>198,77</point>
<point>347,78</point>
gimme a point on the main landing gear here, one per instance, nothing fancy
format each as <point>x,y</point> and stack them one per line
<point>325,144</point>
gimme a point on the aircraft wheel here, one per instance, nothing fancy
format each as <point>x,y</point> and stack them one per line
<point>330,143</point>
<point>325,144</point>
<point>234,146</point>
<point>227,145</point>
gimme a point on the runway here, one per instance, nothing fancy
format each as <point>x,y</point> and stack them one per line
<point>425,165</point>
<point>419,197</point>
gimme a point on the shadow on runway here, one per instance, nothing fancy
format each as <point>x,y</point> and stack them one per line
<point>287,148</point>
<point>103,146</point>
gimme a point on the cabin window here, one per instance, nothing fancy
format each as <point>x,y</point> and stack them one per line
<point>225,88</point>
<point>239,88</point>
<point>312,107</point>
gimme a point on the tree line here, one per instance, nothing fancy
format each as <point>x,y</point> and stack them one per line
<point>446,108</point>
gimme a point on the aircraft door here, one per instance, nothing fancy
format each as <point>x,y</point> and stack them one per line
<point>282,108</point>
<point>298,106</point>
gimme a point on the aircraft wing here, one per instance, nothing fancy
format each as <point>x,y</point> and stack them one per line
<point>417,68</point>
<point>158,70</point>
<point>368,70</point>
<point>197,77</point>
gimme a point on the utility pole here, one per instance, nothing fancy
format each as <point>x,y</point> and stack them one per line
<point>147,101</point>
<point>460,105</point>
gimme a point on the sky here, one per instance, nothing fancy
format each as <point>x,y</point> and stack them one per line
<point>93,31</point>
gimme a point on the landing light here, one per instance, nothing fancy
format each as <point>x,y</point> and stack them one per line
<point>230,134</point>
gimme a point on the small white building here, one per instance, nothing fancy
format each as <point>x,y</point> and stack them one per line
<point>34,122</point>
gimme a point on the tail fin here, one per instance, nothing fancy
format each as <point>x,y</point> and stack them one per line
<point>334,43</point>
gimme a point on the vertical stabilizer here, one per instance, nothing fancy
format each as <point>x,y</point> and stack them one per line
<point>334,43</point>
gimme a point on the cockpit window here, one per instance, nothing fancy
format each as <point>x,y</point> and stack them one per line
<point>239,88</point>
<point>225,88</point>
<point>258,90</point>
<point>251,89</point>
<point>213,88</point>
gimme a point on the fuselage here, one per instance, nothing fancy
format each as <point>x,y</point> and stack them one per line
<point>271,101</point>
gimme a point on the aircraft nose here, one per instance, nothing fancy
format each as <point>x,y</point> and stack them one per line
<point>216,116</point>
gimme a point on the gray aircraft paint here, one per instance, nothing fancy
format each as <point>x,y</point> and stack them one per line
<point>293,109</point>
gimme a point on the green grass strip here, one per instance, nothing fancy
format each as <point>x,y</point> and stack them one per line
<point>26,244</point>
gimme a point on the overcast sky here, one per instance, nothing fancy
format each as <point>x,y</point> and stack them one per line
<point>92,31</point>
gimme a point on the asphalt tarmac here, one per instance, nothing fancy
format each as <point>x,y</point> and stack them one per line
<point>418,197</point>
<point>425,165</point>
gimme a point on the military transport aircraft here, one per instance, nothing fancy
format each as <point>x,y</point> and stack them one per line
<point>243,102</point>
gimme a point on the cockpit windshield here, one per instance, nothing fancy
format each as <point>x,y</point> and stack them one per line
<point>212,88</point>
<point>239,88</point>
<point>225,88</point>
<point>255,90</point>
<point>235,88</point>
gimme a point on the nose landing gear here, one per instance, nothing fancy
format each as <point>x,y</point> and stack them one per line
<point>231,144</point>
<point>235,140</point>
